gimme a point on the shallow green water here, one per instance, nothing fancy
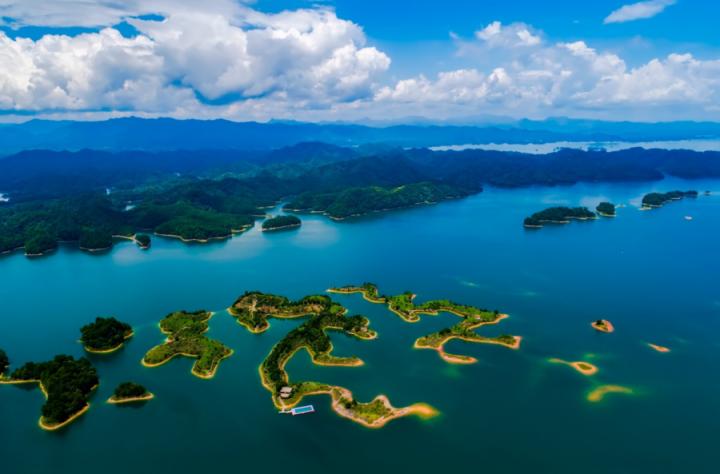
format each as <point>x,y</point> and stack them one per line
<point>653,274</point>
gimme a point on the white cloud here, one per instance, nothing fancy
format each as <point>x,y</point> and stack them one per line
<point>309,57</point>
<point>542,79</point>
<point>638,11</point>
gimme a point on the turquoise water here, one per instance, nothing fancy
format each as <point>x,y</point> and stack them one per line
<point>653,274</point>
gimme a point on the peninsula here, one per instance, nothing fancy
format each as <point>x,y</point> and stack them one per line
<point>129,392</point>
<point>655,200</point>
<point>558,215</point>
<point>186,337</point>
<point>66,383</point>
<point>281,222</point>
<point>143,241</point>
<point>105,335</point>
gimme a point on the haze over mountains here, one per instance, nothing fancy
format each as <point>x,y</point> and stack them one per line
<point>169,134</point>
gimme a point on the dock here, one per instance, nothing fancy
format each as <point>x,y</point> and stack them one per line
<point>304,410</point>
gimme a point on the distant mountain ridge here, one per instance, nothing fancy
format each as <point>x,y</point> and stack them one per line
<point>168,134</point>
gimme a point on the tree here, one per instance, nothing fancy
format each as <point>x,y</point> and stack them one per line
<point>4,362</point>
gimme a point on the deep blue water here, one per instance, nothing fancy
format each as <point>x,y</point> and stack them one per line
<point>653,274</point>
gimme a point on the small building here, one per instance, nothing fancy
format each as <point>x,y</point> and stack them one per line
<point>286,392</point>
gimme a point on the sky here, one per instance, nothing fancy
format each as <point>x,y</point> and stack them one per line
<point>360,61</point>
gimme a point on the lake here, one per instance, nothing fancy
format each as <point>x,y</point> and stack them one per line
<point>654,274</point>
<point>699,145</point>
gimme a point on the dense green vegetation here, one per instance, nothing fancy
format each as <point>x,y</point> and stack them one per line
<point>129,390</point>
<point>253,309</point>
<point>143,240</point>
<point>104,334</point>
<point>281,222</point>
<point>186,337</point>
<point>606,209</point>
<point>359,201</point>
<point>4,362</point>
<point>558,215</point>
<point>68,383</point>
<point>312,336</point>
<point>83,197</point>
<point>659,199</point>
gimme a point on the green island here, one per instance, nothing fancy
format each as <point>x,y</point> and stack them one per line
<point>558,215</point>
<point>105,335</point>
<point>130,392</point>
<point>186,337</point>
<point>254,308</point>
<point>606,209</point>
<point>312,337</point>
<point>280,223</point>
<point>143,241</point>
<point>655,200</point>
<point>67,384</point>
<point>472,318</point>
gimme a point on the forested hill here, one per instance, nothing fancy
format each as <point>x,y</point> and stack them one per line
<point>203,195</point>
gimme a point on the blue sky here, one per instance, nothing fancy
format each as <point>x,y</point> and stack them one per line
<point>356,60</point>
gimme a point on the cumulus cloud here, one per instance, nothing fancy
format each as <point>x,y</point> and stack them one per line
<point>194,55</point>
<point>539,78</point>
<point>638,11</point>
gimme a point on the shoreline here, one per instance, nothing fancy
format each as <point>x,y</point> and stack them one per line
<point>112,349</point>
<point>293,226</point>
<point>120,401</point>
<point>41,423</point>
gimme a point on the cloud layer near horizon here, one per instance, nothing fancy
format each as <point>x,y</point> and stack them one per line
<point>225,59</point>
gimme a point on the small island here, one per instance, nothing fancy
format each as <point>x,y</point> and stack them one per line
<point>655,200</point>
<point>585,368</point>
<point>598,393</point>
<point>130,392</point>
<point>143,241</point>
<point>657,348</point>
<point>606,209</point>
<point>67,384</point>
<point>603,325</point>
<point>105,335</point>
<point>281,222</point>
<point>186,337</point>
<point>558,215</point>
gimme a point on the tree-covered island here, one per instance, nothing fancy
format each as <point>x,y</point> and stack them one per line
<point>558,215</point>
<point>472,318</point>
<point>655,200</point>
<point>130,392</point>
<point>253,309</point>
<point>105,335</point>
<point>67,384</point>
<point>186,337</point>
<point>281,222</point>
<point>606,209</point>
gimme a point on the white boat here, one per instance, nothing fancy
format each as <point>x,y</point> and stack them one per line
<point>688,218</point>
